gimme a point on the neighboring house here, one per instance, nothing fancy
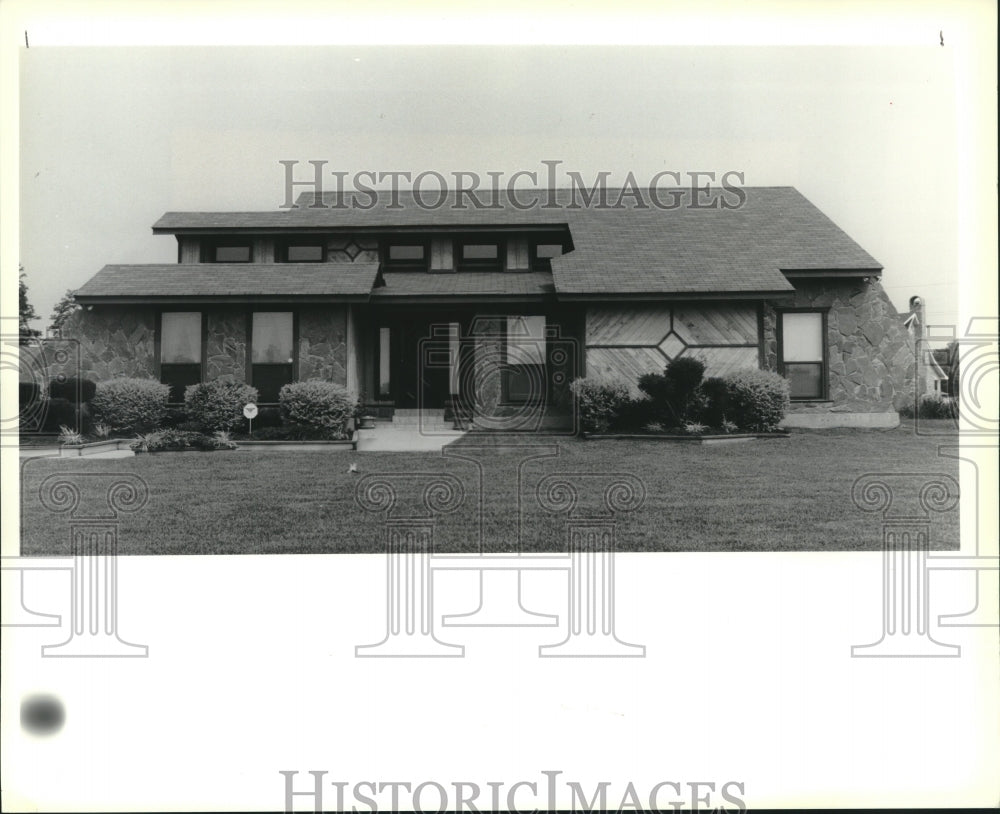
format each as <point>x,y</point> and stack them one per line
<point>542,295</point>
<point>934,365</point>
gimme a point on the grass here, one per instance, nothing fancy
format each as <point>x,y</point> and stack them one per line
<point>789,494</point>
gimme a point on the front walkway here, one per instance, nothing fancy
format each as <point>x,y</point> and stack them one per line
<point>405,439</point>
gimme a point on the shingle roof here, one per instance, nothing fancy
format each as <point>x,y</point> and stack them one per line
<point>465,284</point>
<point>617,250</point>
<point>230,280</point>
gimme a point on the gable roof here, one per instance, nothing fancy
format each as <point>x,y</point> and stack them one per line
<point>636,249</point>
<point>234,281</point>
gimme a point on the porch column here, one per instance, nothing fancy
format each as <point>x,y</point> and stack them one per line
<point>488,361</point>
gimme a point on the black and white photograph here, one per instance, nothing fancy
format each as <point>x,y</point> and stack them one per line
<point>511,410</point>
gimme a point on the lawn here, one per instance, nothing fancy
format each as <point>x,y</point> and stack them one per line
<point>789,494</point>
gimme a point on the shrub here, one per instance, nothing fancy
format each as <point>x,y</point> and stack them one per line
<point>599,402</point>
<point>131,405</point>
<point>69,436</point>
<point>934,405</point>
<point>59,412</point>
<point>715,404</point>
<point>674,394</point>
<point>319,406</point>
<point>217,405</point>
<point>757,399</point>
<point>28,394</point>
<point>635,414</point>
<point>73,388</point>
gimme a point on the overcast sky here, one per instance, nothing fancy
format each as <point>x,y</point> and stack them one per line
<point>113,137</point>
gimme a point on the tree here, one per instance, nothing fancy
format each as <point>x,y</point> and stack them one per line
<point>65,308</point>
<point>25,310</point>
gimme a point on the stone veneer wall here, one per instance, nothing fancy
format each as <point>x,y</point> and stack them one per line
<point>226,345</point>
<point>323,343</point>
<point>871,356</point>
<point>114,342</point>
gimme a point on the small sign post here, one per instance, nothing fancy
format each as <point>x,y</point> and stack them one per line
<point>250,413</point>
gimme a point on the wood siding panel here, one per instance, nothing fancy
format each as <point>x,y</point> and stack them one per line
<point>627,326</point>
<point>720,361</point>
<point>624,365</point>
<point>722,324</point>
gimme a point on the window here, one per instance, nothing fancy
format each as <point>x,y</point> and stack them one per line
<point>406,256</point>
<point>180,351</point>
<point>542,254</point>
<point>479,256</point>
<point>304,253</point>
<point>803,353</point>
<point>272,352</point>
<point>524,367</point>
<point>227,251</point>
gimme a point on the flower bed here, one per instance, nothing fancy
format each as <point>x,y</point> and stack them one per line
<point>181,441</point>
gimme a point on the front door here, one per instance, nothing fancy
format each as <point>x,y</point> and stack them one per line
<point>416,380</point>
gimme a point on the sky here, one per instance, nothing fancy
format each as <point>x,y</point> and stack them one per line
<point>113,137</point>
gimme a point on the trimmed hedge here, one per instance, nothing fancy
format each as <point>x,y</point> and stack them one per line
<point>674,394</point>
<point>599,402</point>
<point>757,400</point>
<point>217,405</point>
<point>72,387</point>
<point>130,405</point>
<point>319,407</point>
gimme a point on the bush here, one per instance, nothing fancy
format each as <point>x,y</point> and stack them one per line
<point>59,412</point>
<point>715,402</point>
<point>217,405</point>
<point>635,415</point>
<point>934,405</point>
<point>675,396</point>
<point>757,399</point>
<point>130,405</point>
<point>599,402</point>
<point>72,388</point>
<point>318,406</point>
<point>28,394</point>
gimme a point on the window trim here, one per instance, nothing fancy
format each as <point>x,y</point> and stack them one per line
<point>158,343</point>
<point>405,265</point>
<point>209,247</point>
<point>248,376</point>
<point>480,264</point>
<point>824,363</point>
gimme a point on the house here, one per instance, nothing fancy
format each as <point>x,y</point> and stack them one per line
<point>498,308</point>
<point>934,365</point>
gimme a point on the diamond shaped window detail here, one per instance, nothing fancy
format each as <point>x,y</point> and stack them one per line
<point>672,346</point>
